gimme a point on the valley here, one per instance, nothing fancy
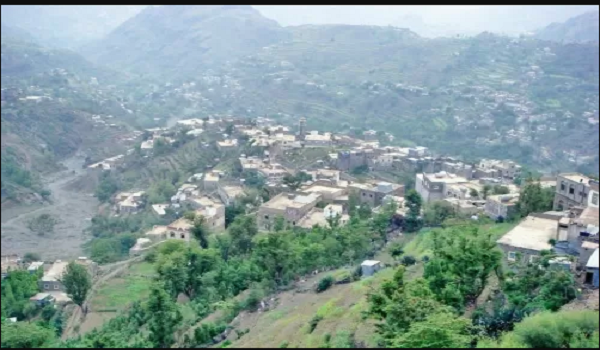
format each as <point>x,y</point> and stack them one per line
<point>73,210</point>
<point>199,176</point>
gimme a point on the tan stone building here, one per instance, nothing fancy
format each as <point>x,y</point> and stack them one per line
<point>525,242</point>
<point>571,190</point>
<point>292,207</point>
<point>502,205</point>
<point>373,193</point>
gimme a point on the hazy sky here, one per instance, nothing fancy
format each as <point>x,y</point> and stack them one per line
<point>460,18</point>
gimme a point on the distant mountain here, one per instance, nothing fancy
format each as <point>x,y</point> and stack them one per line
<point>185,39</point>
<point>26,59</point>
<point>581,28</point>
<point>12,33</point>
<point>67,26</point>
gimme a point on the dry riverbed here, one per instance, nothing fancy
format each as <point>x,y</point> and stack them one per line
<point>71,209</point>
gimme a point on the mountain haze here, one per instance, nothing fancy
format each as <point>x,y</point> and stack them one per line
<point>581,28</point>
<point>185,39</point>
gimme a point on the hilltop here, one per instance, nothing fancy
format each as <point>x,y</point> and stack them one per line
<point>185,39</point>
<point>580,28</point>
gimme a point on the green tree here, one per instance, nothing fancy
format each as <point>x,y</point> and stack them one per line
<point>437,331</point>
<point>242,231</point>
<point>534,199</point>
<point>413,202</point>
<point>397,305</point>
<point>77,282</point>
<point>199,231</point>
<point>499,189</point>
<point>274,254</point>
<point>436,213</point>
<point>461,265</point>
<point>473,193</point>
<point>164,317</point>
<point>486,190</point>
<point>25,335</point>
<point>106,188</point>
<point>279,224</point>
<point>563,329</point>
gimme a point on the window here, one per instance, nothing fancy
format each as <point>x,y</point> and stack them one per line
<point>172,234</point>
<point>512,256</point>
<point>571,189</point>
<point>56,286</point>
<point>595,198</point>
<point>183,236</point>
<point>46,286</point>
<point>266,217</point>
<point>364,194</point>
<point>533,259</point>
<point>371,195</point>
<point>562,185</point>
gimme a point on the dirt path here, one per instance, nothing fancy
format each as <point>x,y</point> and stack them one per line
<point>73,210</point>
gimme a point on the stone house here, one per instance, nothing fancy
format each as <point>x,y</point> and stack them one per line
<point>373,193</point>
<point>525,242</point>
<point>433,186</point>
<point>292,207</point>
<point>571,190</point>
<point>502,205</point>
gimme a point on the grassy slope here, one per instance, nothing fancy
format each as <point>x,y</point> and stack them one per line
<point>341,307</point>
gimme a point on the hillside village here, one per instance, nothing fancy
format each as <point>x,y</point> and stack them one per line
<point>206,177</point>
<point>485,189</point>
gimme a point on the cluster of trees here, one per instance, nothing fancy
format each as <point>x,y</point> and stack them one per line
<point>220,267</point>
<point>429,311</point>
<point>114,236</point>
<point>12,172</point>
<point>295,181</point>
<point>107,186</point>
<point>37,327</point>
<point>533,198</point>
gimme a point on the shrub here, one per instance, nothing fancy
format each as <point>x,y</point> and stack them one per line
<point>564,329</point>
<point>284,345</point>
<point>314,322</point>
<point>253,300</point>
<point>151,256</point>
<point>325,283</point>
<point>408,260</point>
<point>357,273</point>
<point>396,250</point>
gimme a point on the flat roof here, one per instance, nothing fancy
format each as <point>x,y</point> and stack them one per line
<point>282,201</point>
<point>589,216</point>
<point>321,188</point>
<point>55,272</point>
<point>575,177</point>
<point>370,263</point>
<point>531,233</point>
<point>180,224</point>
<point>445,178</point>
<point>157,230</point>
<point>233,191</point>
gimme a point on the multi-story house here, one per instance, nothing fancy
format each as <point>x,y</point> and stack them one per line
<point>292,207</point>
<point>502,205</point>
<point>373,194</point>
<point>571,190</point>
<point>433,186</point>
